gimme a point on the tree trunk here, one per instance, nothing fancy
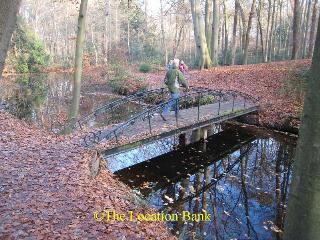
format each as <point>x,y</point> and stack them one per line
<point>208,23</point>
<point>106,30</point>
<point>312,28</point>
<point>234,34</point>
<point>74,110</point>
<point>196,33</point>
<point>246,45</point>
<point>215,33</point>
<point>177,42</point>
<point>267,32</point>
<point>205,60</point>
<point>270,42</point>
<point>260,31</point>
<point>8,17</point>
<point>303,217</point>
<point>306,28</point>
<point>243,27</point>
<point>128,37</point>
<point>163,37</point>
<point>296,29</point>
<point>226,38</point>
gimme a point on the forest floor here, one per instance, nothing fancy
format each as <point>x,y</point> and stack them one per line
<point>46,189</point>
<point>47,192</point>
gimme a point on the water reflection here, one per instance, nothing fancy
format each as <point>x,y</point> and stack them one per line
<point>241,178</point>
<point>44,99</point>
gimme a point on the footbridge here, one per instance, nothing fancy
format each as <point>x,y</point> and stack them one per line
<point>198,107</point>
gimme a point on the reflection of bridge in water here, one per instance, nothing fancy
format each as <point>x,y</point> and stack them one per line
<point>198,108</point>
<point>186,160</point>
<point>238,176</point>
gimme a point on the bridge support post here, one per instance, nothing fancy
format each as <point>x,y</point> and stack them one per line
<point>182,140</point>
<point>204,136</point>
<point>210,130</point>
<point>195,135</point>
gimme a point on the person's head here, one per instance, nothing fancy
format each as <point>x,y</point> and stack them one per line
<point>171,62</point>
<point>181,62</point>
<point>176,62</point>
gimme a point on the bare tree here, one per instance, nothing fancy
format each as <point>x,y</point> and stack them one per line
<point>215,32</point>
<point>296,29</point>
<point>74,109</point>
<point>198,22</point>
<point>312,28</point>
<point>246,45</point>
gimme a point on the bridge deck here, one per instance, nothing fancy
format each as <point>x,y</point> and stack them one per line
<point>208,114</point>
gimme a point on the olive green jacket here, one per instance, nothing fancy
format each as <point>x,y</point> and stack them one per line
<point>173,79</point>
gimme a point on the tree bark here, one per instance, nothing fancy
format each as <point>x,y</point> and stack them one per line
<point>226,38</point>
<point>215,33</point>
<point>205,60</point>
<point>303,217</point>
<point>306,28</point>
<point>163,36</point>
<point>234,34</point>
<point>270,42</point>
<point>196,32</point>
<point>74,110</point>
<point>208,23</point>
<point>260,31</point>
<point>244,25</point>
<point>8,18</point>
<point>296,29</point>
<point>312,28</point>
<point>106,30</point>
<point>246,45</point>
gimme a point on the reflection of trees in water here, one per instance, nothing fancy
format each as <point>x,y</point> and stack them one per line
<point>245,191</point>
<point>258,174</point>
<point>27,100</point>
<point>44,99</point>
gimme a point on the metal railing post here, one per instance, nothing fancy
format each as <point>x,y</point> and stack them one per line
<point>199,96</point>
<point>219,105</point>
<point>233,102</point>
<point>80,125</point>
<point>162,94</point>
<point>177,111</point>
<point>185,100</point>
<point>149,120</point>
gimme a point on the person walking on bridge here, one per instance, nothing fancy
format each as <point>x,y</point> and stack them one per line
<point>173,79</point>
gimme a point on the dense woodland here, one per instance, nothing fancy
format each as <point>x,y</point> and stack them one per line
<point>203,33</point>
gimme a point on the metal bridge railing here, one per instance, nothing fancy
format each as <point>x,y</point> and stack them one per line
<point>188,99</point>
<point>152,96</point>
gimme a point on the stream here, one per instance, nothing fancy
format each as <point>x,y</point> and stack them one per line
<point>238,175</point>
<point>44,100</point>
